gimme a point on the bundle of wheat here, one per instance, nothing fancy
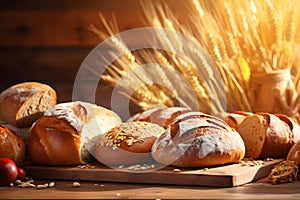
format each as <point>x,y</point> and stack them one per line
<point>250,42</point>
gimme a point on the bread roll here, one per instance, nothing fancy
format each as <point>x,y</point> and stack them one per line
<point>24,103</point>
<point>294,153</point>
<point>158,115</point>
<point>267,135</point>
<point>195,139</point>
<point>67,133</point>
<point>11,146</point>
<point>128,144</point>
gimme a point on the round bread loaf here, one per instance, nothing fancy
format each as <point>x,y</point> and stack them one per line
<point>24,103</point>
<point>67,133</point>
<point>128,144</point>
<point>267,135</point>
<point>23,133</point>
<point>11,146</point>
<point>159,115</point>
<point>195,139</point>
<point>294,153</point>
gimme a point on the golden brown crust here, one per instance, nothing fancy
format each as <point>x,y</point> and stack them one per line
<point>11,146</point>
<point>234,119</point>
<point>17,101</point>
<point>54,142</point>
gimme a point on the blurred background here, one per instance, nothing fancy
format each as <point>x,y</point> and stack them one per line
<point>46,41</point>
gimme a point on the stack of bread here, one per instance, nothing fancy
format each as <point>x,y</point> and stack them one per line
<point>72,133</point>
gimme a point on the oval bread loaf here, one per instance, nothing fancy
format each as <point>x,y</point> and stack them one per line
<point>267,135</point>
<point>22,104</point>
<point>294,153</point>
<point>67,133</point>
<point>195,139</point>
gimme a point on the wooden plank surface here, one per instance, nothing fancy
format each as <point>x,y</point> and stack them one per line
<point>222,176</point>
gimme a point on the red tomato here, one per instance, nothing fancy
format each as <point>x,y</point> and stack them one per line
<point>21,174</point>
<point>8,171</point>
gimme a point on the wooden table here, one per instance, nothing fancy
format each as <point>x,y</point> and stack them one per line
<point>104,190</point>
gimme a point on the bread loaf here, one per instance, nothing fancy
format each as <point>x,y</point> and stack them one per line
<point>234,119</point>
<point>158,115</point>
<point>128,144</point>
<point>23,133</point>
<point>67,133</point>
<point>195,139</point>
<point>294,153</point>
<point>267,135</point>
<point>11,146</point>
<point>24,103</point>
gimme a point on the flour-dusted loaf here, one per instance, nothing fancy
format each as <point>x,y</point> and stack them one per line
<point>159,115</point>
<point>67,133</point>
<point>128,144</point>
<point>24,103</point>
<point>195,139</point>
<point>11,146</point>
<point>268,135</point>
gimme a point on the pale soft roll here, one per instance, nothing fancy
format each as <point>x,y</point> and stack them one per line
<point>67,133</point>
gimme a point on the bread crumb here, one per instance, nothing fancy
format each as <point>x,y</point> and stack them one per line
<point>76,184</point>
<point>176,170</point>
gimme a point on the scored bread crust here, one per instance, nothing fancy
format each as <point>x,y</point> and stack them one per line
<point>128,144</point>
<point>67,133</point>
<point>11,146</point>
<point>195,139</point>
<point>158,115</point>
<point>24,103</point>
<point>267,135</point>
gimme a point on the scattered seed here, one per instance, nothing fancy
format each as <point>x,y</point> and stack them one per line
<point>76,184</point>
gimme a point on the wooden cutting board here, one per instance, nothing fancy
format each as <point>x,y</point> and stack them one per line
<point>222,176</point>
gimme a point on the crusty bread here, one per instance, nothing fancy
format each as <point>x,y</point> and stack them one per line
<point>11,146</point>
<point>294,153</point>
<point>196,139</point>
<point>23,133</point>
<point>234,119</point>
<point>158,115</point>
<point>67,133</point>
<point>267,135</point>
<point>128,144</point>
<point>24,103</point>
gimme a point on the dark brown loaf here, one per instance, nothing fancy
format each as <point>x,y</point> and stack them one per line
<point>158,115</point>
<point>267,135</point>
<point>67,133</point>
<point>24,103</point>
<point>128,144</point>
<point>11,146</point>
<point>195,139</point>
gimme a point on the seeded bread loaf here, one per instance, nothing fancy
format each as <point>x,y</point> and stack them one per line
<point>11,146</point>
<point>128,144</point>
<point>195,139</point>
<point>67,133</point>
<point>24,103</point>
<point>267,135</point>
<point>158,115</point>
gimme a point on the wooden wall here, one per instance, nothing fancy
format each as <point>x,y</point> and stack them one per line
<point>46,41</point>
